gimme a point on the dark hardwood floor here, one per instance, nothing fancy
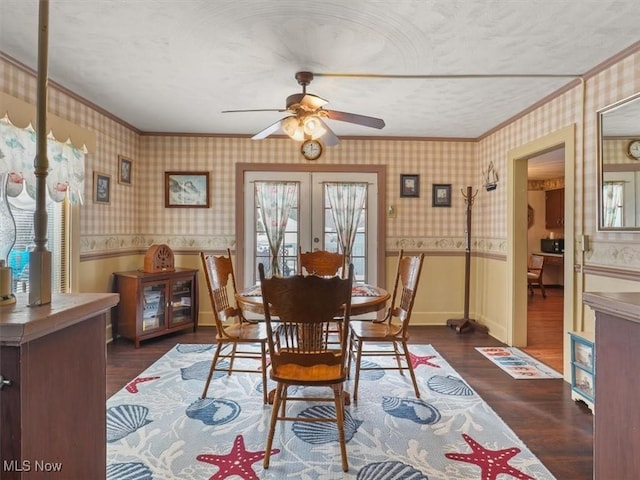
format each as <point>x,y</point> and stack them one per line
<point>558,430</point>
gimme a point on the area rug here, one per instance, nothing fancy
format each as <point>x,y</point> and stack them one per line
<point>517,363</point>
<point>158,428</point>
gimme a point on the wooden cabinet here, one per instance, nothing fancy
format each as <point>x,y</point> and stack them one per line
<point>554,209</point>
<point>52,404</point>
<point>582,367</point>
<point>153,304</point>
<point>616,424</point>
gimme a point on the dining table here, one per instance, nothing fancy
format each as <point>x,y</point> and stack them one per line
<point>365,299</point>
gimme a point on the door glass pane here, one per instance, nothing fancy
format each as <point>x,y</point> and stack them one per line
<point>310,225</point>
<point>288,252</point>
<point>359,251</point>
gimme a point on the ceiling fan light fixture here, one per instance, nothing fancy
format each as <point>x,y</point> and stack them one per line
<point>313,127</point>
<point>293,128</point>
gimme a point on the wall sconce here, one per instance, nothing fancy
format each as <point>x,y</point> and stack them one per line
<point>490,177</point>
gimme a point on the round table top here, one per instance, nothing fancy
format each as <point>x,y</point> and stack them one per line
<point>365,298</point>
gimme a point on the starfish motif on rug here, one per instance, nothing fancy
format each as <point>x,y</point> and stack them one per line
<point>132,386</point>
<point>425,360</point>
<point>237,462</point>
<point>492,462</point>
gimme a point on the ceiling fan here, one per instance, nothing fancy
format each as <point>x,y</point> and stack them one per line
<point>307,116</point>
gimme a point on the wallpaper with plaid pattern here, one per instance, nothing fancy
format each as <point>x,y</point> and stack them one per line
<point>136,216</point>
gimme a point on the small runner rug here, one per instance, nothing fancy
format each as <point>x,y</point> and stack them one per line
<point>517,363</point>
<point>158,428</point>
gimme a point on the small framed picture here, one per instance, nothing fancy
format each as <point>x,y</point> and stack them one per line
<point>101,187</point>
<point>125,167</point>
<point>441,195</point>
<point>409,185</point>
<point>186,189</point>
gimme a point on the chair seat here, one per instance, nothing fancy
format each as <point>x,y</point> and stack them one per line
<point>532,276</point>
<point>309,376</point>
<point>375,330</point>
<point>244,332</point>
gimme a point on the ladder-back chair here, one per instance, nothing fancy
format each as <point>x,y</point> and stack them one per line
<point>393,329</point>
<point>321,263</point>
<point>298,350</point>
<point>232,329</point>
<point>534,273</point>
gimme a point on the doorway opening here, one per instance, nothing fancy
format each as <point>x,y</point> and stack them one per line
<point>247,245</point>
<point>545,306</point>
<point>517,233</point>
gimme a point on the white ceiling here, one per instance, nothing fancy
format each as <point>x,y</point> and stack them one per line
<point>173,66</point>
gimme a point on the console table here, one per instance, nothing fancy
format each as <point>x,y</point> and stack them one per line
<point>616,432</point>
<point>53,395</point>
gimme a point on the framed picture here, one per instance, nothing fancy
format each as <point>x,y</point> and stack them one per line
<point>186,189</point>
<point>124,170</point>
<point>409,185</point>
<point>441,195</point>
<point>101,187</point>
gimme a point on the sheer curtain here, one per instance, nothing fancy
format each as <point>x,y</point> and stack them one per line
<point>347,201</point>
<point>65,179</point>
<point>612,208</point>
<point>274,200</point>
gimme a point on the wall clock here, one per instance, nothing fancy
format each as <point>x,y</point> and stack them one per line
<point>633,149</point>
<point>311,149</point>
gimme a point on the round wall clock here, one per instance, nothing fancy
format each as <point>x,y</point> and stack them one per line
<point>311,149</point>
<point>633,149</point>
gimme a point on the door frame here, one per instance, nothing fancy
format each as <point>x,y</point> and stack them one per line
<point>379,170</point>
<point>517,163</point>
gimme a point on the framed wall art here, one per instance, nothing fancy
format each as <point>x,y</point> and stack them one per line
<point>186,189</point>
<point>101,187</point>
<point>441,195</point>
<point>125,170</point>
<point>409,185</point>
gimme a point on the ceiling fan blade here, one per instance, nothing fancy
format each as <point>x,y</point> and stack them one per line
<point>355,118</point>
<point>256,110</point>
<point>329,138</point>
<point>307,100</point>
<point>274,127</point>
<point>313,101</point>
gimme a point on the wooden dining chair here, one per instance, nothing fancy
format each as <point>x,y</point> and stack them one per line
<point>321,263</point>
<point>393,329</point>
<point>535,268</point>
<point>324,264</point>
<point>299,354</point>
<point>232,329</point>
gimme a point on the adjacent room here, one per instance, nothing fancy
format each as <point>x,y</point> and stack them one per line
<point>177,176</point>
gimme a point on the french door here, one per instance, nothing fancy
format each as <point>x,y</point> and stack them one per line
<point>310,224</point>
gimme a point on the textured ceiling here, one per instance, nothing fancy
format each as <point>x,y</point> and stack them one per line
<point>172,66</point>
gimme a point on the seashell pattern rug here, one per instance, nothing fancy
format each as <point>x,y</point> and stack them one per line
<point>158,428</point>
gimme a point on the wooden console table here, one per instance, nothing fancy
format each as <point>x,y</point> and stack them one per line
<point>53,395</point>
<point>616,432</point>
